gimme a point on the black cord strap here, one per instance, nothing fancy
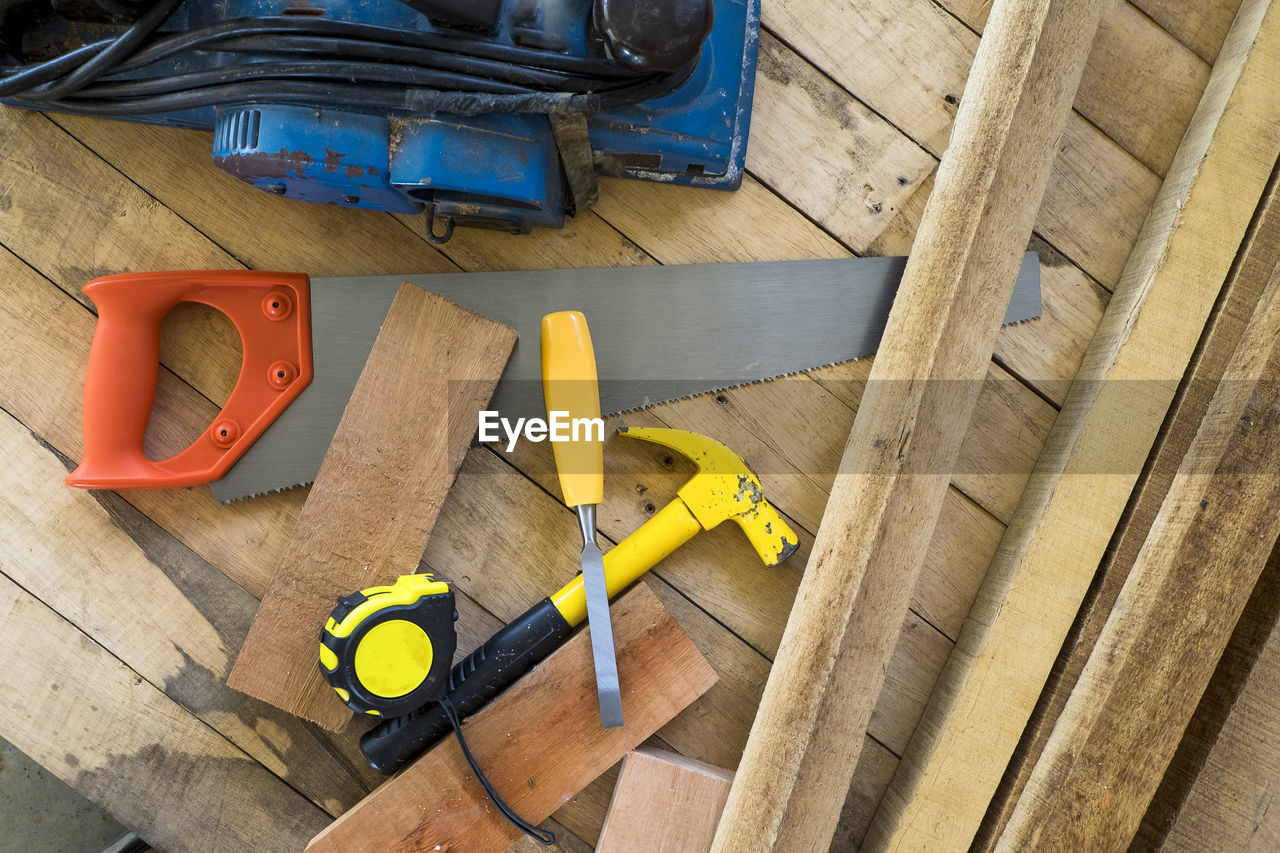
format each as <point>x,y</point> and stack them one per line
<point>542,836</point>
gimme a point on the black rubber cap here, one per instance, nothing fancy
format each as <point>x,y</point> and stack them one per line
<point>654,35</point>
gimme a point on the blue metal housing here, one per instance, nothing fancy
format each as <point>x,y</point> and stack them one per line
<point>497,170</point>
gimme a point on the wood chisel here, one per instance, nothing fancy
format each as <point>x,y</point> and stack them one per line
<point>569,386</point>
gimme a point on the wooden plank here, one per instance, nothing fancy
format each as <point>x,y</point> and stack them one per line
<point>1093,456</point>
<point>539,743</point>
<point>114,737</point>
<point>1140,85</point>
<point>921,393</point>
<point>1162,640</point>
<point>1211,718</point>
<point>1230,797</point>
<point>168,615</point>
<point>910,67</point>
<point>1226,325</point>
<point>386,473</point>
<point>1201,26</point>
<point>664,802</point>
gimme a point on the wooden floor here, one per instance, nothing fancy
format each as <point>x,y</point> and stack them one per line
<point>124,613</point>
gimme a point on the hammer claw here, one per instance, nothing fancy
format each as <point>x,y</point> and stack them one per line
<point>725,488</point>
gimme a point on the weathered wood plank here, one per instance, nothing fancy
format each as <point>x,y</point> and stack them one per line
<point>1161,643</point>
<point>384,478</point>
<point>1222,334</point>
<point>123,744</point>
<point>1094,453</point>
<point>161,610</point>
<point>910,66</point>
<point>1201,26</point>
<point>921,394</point>
<point>664,802</point>
<point>1210,720</point>
<point>539,743</point>
<point>1140,85</point>
<point>1230,792</point>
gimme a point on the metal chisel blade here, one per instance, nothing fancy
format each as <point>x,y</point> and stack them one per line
<point>675,331</point>
<point>598,618</point>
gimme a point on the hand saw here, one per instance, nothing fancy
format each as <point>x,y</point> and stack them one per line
<point>675,331</point>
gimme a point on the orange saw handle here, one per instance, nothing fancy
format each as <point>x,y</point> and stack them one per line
<point>272,313</point>
<point>570,387</point>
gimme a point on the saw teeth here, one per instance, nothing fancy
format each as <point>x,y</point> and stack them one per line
<point>274,491</point>
<point>748,383</point>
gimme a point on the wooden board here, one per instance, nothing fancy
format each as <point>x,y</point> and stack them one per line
<point>1162,640</point>
<point>1134,65</point>
<point>664,802</point>
<point>1232,789</point>
<point>228,801</point>
<point>1094,454</point>
<point>159,609</point>
<point>1241,292</point>
<point>1200,26</point>
<point>920,396</point>
<point>379,490</point>
<point>539,743</point>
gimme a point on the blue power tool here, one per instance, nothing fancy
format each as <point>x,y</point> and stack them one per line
<point>491,113</point>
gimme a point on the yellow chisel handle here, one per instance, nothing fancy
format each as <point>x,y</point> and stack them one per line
<point>569,384</point>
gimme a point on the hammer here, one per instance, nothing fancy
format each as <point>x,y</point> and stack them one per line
<point>724,489</point>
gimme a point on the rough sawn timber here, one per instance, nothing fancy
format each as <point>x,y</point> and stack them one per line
<point>384,478</point>
<point>1094,452</point>
<point>921,392</point>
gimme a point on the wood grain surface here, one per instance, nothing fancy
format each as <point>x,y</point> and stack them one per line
<point>920,395</point>
<point>1173,618</point>
<point>840,161</point>
<point>381,485</point>
<point>665,803</point>
<point>539,743</point>
<point>1259,254</point>
<point>1231,791</point>
<point>1093,455</point>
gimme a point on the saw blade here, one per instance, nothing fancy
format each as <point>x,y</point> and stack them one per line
<point>675,331</point>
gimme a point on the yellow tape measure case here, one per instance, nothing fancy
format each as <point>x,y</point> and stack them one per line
<point>387,650</point>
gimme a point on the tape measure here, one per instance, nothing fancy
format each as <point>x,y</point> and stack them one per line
<point>386,650</point>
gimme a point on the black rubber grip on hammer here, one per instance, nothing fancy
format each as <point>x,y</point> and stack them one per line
<point>473,682</point>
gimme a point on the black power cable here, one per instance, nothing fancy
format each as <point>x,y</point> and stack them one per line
<point>327,63</point>
<point>544,837</point>
<point>111,56</point>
